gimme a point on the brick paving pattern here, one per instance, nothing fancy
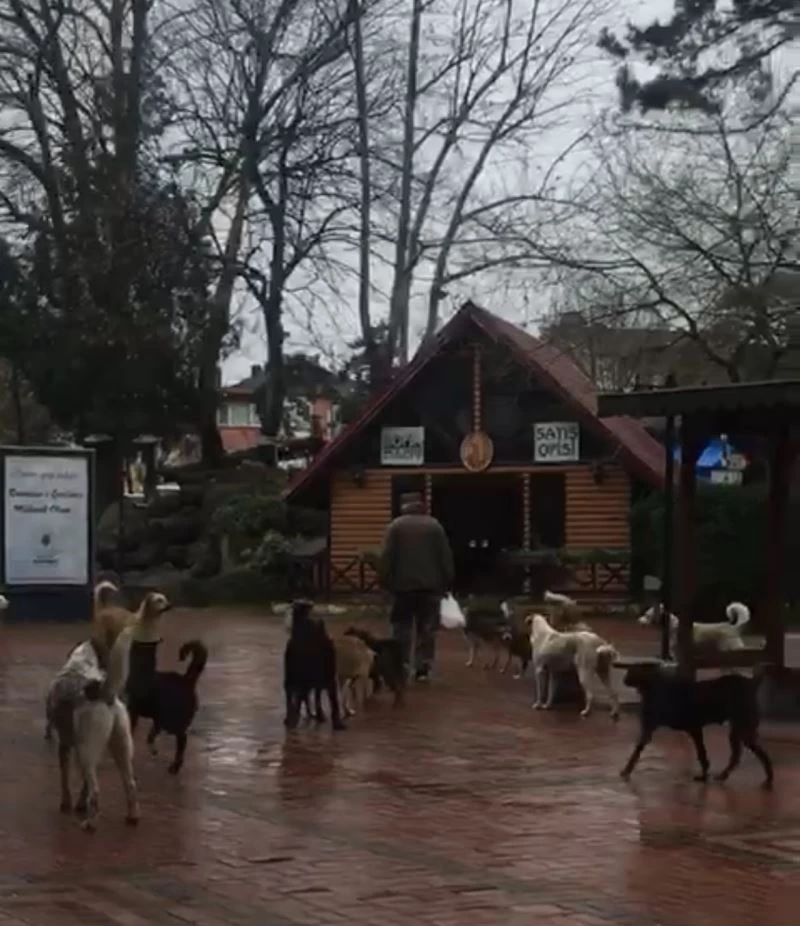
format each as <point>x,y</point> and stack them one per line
<point>466,807</point>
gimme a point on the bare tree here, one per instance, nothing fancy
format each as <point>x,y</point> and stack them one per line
<point>700,231</point>
<point>274,110</point>
<point>482,87</point>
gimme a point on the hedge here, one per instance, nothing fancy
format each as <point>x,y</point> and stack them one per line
<point>731,550</point>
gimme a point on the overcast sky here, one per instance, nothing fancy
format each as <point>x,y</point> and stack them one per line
<point>334,318</point>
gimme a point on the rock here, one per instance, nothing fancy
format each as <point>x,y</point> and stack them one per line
<point>134,531</point>
<point>177,556</point>
<point>165,504</point>
<point>182,528</point>
<point>145,557</point>
<point>210,562</point>
<point>192,495</point>
<point>196,551</point>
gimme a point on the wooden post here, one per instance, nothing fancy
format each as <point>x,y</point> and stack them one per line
<point>686,542</point>
<point>476,388</point>
<point>781,457</point>
<point>669,547</point>
<point>526,526</point>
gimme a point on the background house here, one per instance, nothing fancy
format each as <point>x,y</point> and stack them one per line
<point>311,409</point>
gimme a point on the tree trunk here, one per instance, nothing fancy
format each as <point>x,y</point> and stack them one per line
<point>275,379</point>
<point>210,441</point>
<point>19,411</point>
<point>367,333</point>
<point>401,285</point>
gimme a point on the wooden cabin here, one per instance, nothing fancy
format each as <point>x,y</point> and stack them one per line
<point>499,432</point>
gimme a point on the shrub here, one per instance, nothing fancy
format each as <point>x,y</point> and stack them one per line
<point>249,516</point>
<point>730,536</point>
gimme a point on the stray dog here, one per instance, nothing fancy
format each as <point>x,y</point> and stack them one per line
<point>108,621</point>
<point>518,644</point>
<point>486,625</point>
<point>170,701</point>
<point>85,709</point>
<point>387,668</point>
<point>720,637</point>
<point>565,612</point>
<point>554,651</point>
<point>309,667</point>
<point>668,700</point>
<point>354,661</point>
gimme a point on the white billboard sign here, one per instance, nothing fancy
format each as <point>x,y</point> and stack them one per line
<point>46,523</point>
<point>402,446</point>
<point>556,442</point>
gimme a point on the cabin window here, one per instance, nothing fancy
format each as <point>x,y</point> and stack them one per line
<point>411,482</point>
<point>548,515</point>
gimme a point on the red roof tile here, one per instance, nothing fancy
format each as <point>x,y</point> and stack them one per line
<point>639,451</point>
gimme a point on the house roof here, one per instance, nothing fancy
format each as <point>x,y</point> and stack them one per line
<point>303,374</point>
<point>738,398</point>
<point>638,450</point>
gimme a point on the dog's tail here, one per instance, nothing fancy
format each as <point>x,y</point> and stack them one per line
<point>104,593</point>
<point>199,654</point>
<point>606,657</point>
<point>738,614</point>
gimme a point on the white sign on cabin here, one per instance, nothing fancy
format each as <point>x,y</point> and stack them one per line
<point>556,442</point>
<point>402,446</point>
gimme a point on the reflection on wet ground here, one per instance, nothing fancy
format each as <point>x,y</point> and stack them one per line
<point>463,807</point>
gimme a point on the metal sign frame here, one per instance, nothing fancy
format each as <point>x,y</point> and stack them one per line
<point>56,601</point>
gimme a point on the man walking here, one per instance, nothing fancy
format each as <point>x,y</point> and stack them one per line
<point>416,566</point>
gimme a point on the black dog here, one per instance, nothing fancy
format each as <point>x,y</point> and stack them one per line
<point>388,665</point>
<point>518,644</point>
<point>309,667</point>
<point>669,700</point>
<point>486,622</point>
<point>169,699</point>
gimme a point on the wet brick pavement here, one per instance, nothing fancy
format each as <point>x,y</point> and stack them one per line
<point>466,807</point>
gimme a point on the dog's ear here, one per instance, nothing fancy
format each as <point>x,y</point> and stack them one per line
<point>528,621</point>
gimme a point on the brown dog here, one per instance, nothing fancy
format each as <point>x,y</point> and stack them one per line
<point>354,661</point>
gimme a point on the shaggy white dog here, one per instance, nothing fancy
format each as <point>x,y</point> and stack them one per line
<point>554,651</point>
<point>720,637</point>
<point>84,706</point>
<point>101,722</point>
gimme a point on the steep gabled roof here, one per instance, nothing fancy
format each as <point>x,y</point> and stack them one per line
<point>639,451</point>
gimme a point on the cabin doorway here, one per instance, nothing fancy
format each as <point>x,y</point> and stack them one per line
<point>482,515</point>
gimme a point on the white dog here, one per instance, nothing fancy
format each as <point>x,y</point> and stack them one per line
<point>3,603</point>
<point>720,637</point>
<point>84,707</point>
<point>565,612</point>
<point>554,651</point>
<point>103,723</point>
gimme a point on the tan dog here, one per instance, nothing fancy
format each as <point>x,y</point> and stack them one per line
<point>110,619</point>
<point>564,612</point>
<point>83,701</point>
<point>353,667</point>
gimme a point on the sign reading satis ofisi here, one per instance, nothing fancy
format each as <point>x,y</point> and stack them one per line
<point>556,442</point>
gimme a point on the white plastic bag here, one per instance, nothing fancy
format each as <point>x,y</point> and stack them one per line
<point>450,614</point>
